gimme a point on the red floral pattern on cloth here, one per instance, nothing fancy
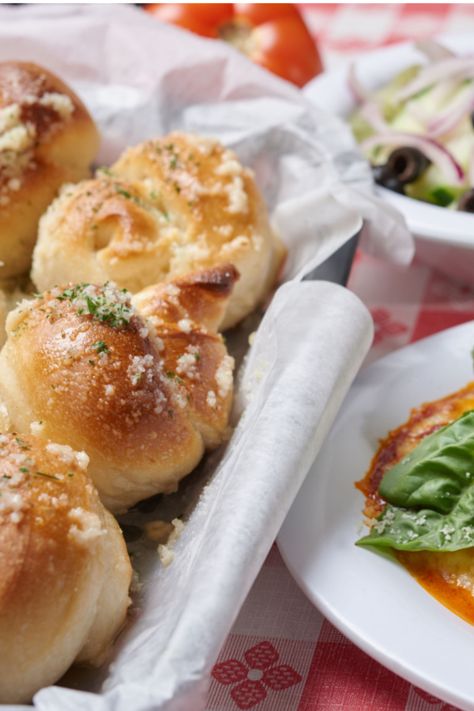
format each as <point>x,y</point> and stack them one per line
<point>261,673</point>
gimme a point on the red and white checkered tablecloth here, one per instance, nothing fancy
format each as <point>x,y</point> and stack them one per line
<point>282,655</point>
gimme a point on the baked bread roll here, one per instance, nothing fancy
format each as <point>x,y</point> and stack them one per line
<point>166,208</point>
<point>142,396</point>
<point>8,301</point>
<point>47,138</point>
<point>61,554</point>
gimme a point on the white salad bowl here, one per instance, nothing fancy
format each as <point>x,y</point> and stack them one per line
<point>444,237</point>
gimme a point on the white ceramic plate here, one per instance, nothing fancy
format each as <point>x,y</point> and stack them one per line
<point>370,599</point>
<point>435,228</point>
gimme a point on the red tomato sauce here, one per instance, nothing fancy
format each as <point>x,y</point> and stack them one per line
<point>434,571</point>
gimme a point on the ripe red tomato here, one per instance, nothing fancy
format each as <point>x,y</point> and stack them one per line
<point>271,34</point>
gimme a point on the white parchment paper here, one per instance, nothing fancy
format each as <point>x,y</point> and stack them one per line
<point>140,79</point>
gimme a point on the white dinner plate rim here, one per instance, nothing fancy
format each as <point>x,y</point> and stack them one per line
<point>378,651</point>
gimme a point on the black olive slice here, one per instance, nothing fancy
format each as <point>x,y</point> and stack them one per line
<point>406,164</point>
<point>466,202</point>
<point>386,181</point>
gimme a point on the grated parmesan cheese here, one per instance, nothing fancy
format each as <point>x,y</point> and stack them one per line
<point>12,505</point>
<point>238,199</point>
<point>60,103</point>
<point>17,139</point>
<point>223,375</point>
<point>66,454</point>
<point>211,399</point>
<point>185,325</point>
<point>229,166</point>
<point>140,366</point>
<point>166,552</point>
<point>82,460</point>
<point>224,230</point>
<point>186,365</point>
<point>86,526</point>
<point>63,451</point>
<point>10,116</point>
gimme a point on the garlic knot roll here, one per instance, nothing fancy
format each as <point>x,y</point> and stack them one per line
<point>64,567</point>
<point>143,395</point>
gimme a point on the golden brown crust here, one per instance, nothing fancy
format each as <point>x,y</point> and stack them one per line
<point>201,296</point>
<point>57,547</point>
<point>47,138</point>
<point>142,396</point>
<point>166,208</point>
<point>36,91</point>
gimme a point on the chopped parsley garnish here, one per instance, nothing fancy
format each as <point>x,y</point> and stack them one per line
<point>48,476</point>
<point>100,347</point>
<point>21,443</point>
<point>174,376</point>
<point>24,470</point>
<point>105,304</point>
<point>123,192</point>
<point>128,195</point>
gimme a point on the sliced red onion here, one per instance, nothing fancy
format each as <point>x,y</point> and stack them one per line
<point>359,92</point>
<point>471,169</point>
<point>373,115</point>
<point>461,67</point>
<point>434,151</point>
<point>451,117</point>
<point>434,51</point>
<point>443,90</point>
<point>417,112</point>
<point>438,95</point>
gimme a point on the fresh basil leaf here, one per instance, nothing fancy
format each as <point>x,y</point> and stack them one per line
<point>424,530</point>
<point>436,472</point>
<point>430,494</point>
